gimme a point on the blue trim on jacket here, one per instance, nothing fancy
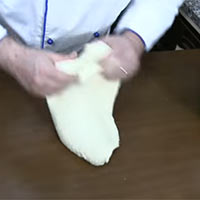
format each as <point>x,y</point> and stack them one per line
<point>44,24</point>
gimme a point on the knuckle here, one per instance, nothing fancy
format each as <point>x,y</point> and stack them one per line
<point>36,81</point>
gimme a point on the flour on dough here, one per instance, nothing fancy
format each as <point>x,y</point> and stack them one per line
<point>82,113</point>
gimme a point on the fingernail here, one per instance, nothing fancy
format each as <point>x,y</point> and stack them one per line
<point>73,54</point>
<point>75,78</point>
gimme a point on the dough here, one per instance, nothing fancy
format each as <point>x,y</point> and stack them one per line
<point>82,113</point>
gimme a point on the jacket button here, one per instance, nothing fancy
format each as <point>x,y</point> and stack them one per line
<point>96,34</point>
<point>50,41</point>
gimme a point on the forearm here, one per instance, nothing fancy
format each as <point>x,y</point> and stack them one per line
<point>149,18</point>
<point>11,53</point>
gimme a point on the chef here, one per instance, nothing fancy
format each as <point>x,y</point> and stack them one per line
<point>35,34</point>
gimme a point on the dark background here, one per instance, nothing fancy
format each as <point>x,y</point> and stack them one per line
<point>182,34</point>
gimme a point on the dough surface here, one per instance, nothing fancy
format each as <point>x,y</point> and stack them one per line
<point>82,113</point>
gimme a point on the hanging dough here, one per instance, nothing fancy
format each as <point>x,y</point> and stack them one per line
<point>82,113</point>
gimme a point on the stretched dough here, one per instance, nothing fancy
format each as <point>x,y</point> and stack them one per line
<point>82,113</point>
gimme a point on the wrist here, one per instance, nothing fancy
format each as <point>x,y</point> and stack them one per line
<point>135,40</point>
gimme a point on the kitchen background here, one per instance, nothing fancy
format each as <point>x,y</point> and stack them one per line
<point>185,32</point>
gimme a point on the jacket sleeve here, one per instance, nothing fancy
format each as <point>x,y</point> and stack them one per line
<point>149,19</point>
<point>3,32</point>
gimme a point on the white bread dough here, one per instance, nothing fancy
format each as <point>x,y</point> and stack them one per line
<point>82,113</point>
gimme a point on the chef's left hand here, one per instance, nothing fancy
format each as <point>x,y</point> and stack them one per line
<point>124,60</point>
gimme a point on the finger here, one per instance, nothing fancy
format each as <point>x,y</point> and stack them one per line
<point>48,87</point>
<point>57,88</point>
<point>53,88</point>
<point>70,56</point>
<point>61,77</point>
<point>60,57</point>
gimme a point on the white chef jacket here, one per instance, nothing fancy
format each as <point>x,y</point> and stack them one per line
<point>65,25</point>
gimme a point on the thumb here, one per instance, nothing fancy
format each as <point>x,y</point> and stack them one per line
<point>60,57</point>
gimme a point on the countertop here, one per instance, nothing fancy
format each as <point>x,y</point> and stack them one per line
<point>191,10</point>
<point>158,116</point>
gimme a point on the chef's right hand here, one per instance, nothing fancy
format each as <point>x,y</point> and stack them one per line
<point>34,69</point>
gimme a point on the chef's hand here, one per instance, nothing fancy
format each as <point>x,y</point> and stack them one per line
<point>124,60</point>
<point>34,69</point>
